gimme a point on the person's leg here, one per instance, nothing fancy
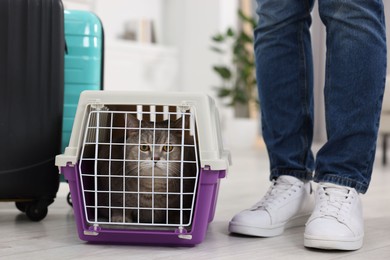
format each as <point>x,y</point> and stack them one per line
<point>354,86</point>
<point>284,74</point>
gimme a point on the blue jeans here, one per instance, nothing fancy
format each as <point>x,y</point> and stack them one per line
<point>354,86</point>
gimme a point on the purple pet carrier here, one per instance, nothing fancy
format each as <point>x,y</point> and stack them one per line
<point>144,167</point>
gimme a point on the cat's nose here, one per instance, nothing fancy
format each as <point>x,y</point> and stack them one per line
<point>156,159</point>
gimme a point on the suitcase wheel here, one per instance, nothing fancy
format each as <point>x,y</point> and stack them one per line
<point>21,205</point>
<point>69,200</point>
<point>36,212</point>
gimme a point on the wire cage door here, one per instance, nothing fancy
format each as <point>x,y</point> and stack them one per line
<point>139,166</point>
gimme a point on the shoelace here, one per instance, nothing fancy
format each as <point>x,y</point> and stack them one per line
<point>335,201</point>
<point>278,192</point>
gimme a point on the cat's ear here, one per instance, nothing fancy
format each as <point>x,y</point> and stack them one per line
<point>132,121</point>
<point>178,123</point>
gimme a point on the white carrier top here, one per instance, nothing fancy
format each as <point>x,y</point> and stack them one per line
<point>211,152</point>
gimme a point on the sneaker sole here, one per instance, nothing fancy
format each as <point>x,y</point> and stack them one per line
<point>272,231</point>
<point>331,244</point>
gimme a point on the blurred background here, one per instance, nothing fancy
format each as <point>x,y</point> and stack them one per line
<point>167,45</point>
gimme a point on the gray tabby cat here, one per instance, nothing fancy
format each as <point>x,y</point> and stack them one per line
<point>148,169</point>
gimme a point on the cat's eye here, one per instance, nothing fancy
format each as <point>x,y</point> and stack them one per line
<point>167,148</point>
<point>144,148</point>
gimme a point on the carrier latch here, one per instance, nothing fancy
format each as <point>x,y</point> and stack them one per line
<point>185,106</point>
<point>93,230</point>
<point>183,233</point>
<point>97,105</point>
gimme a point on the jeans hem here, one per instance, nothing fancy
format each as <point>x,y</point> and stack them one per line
<point>303,175</point>
<point>335,179</point>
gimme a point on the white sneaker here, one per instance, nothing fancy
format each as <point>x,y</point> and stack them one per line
<point>288,203</point>
<point>337,220</point>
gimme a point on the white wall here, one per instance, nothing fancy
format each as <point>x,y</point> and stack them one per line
<point>318,37</point>
<point>190,25</point>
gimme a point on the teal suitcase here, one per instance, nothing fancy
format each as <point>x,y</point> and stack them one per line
<point>84,59</point>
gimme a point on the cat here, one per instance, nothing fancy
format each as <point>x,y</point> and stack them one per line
<point>148,169</point>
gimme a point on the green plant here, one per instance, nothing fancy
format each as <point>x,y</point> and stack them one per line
<point>238,88</point>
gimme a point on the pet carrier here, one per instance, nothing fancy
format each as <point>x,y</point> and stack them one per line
<point>144,167</point>
<point>83,62</point>
<point>31,102</point>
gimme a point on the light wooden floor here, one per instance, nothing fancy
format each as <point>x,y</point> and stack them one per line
<point>55,237</point>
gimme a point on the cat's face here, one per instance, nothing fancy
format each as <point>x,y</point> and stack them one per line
<point>153,150</point>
